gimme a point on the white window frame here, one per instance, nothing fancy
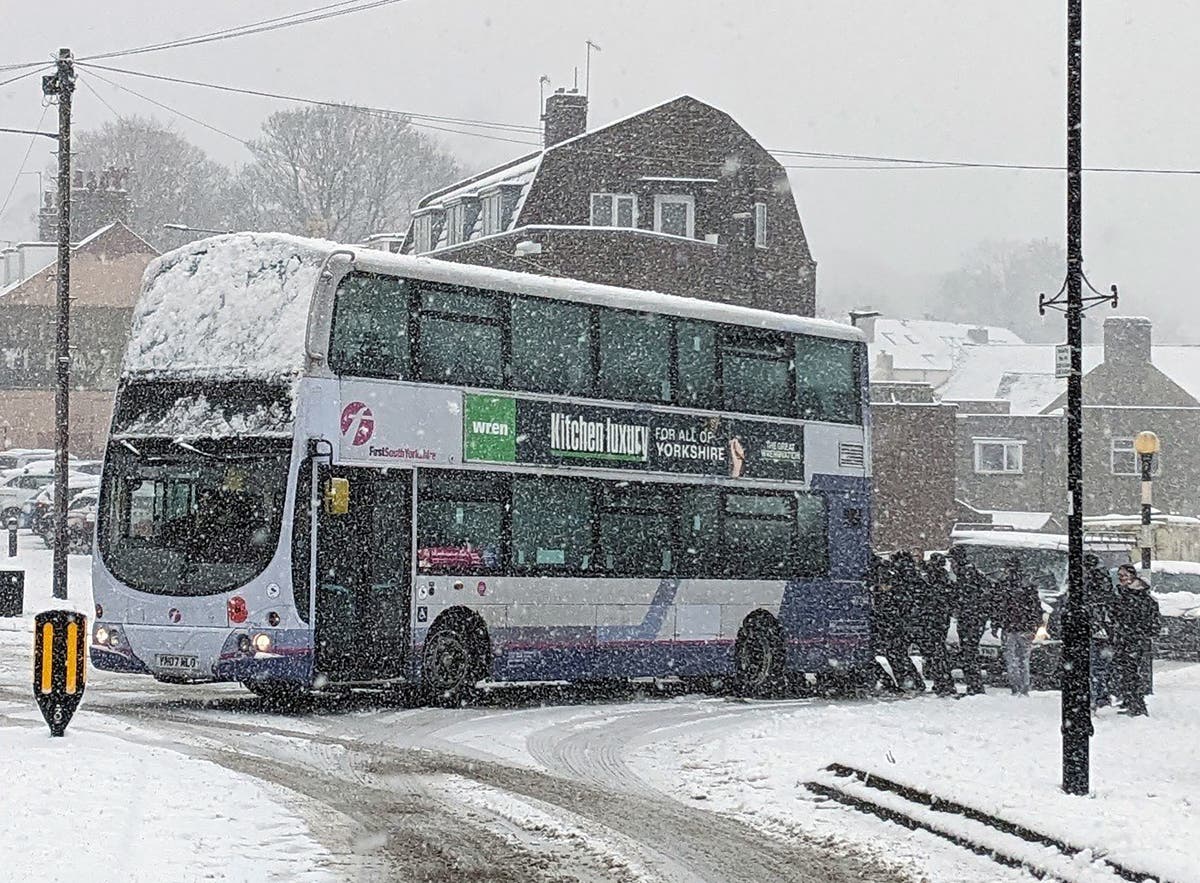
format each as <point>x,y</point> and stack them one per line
<point>662,199</point>
<point>614,211</point>
<point>1013,456</point>
<point>492,205</point>
<point>456,216</point>
<point>423,233</point>
<point>1124,447</point>
<point>760,225</point>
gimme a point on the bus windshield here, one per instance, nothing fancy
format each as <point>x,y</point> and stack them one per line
<point>183,519</point>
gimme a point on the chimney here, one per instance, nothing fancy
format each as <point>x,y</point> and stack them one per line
<point>1127,340</point>
<point>565,116</point>
<point>977,335</point>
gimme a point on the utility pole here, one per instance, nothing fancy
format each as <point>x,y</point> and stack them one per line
<point>1076,697</point>
<point>62,84</point>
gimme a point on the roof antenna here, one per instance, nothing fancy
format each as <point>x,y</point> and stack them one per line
<point>543,82</point>
<point>587,75</point>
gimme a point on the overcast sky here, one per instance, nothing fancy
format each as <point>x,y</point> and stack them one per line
<point>941,79</point>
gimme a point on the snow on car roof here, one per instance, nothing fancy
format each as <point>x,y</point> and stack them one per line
<point>237,305</point>
<point>1162,566</point>
<point>1018,539</point>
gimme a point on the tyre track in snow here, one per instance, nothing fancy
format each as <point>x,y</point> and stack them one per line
<point>621,829</point>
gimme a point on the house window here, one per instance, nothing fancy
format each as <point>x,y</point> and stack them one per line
<point>422,233</point>
<point>675,215</point>
<point>999,456</point>
<point>456,216</point>
<point>614,210</point>
<point>491,214</point>
<point>1124,459</point>
<point>760,224</point>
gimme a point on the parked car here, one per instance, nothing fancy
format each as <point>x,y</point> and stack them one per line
<point>1037,553</point>
<point>81,521</point>
<point>41,507</point>
<point>1176,587</point>
<point>15,458</point>
<point>16,490</point>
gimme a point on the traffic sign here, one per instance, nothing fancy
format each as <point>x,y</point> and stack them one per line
<point>60,645</point>
<point>1062,360</point>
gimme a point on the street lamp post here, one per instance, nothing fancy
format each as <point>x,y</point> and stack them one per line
<point>1146,445</point>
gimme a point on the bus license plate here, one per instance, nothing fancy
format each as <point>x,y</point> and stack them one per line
<point>177,662</point>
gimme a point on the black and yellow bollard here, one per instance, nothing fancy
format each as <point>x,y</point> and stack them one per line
<point>60,644</point>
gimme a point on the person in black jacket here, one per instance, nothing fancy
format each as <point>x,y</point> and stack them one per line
<point>1018,616</point>
<point>890,608</point>
<point>1100,600</point>
<point>1135,624</point>
<point>933,611</point>
<point>974,600</point>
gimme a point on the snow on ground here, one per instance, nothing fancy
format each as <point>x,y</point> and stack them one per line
<point>93,806</point>
<point>998,753</point>
<point>38,561</point>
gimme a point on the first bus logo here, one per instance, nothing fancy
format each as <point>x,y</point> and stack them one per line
<point>358,423</point>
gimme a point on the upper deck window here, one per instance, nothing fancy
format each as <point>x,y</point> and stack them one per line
<point>370,327</point>
<point>460,337</point>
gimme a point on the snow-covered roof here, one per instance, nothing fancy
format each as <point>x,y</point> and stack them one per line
<point>929,344</point>
<point>1019,539</point>
<point>231,306</point>
<point>1023,374</point>
<point>237,305</point>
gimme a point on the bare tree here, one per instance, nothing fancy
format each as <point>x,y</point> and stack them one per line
<point>340,173</point>
<point>173,180</point>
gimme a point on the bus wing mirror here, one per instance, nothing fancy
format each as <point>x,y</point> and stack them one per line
<point>337,496</point>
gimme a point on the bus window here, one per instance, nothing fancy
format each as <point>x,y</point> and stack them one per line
<point>695,345</point>
<point>635,530</point>
<point>370,327</point>
<point>551,524</point>
<point>756,372</point>
<point>812,540</point>
<point>827,386</point>
<point>460,338</point>
<point>460,523</point>
<point>699,537</point>
<point>758,534</point>
<point>551,346</point>
<point>635,357</point>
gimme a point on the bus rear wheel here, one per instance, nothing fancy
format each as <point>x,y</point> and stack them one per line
<point>758,658</point>
<point>454,660</point>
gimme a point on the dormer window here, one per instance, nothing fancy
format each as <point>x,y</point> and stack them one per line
<point>675,214</point>
<point>492,213</point>
<point>423,233</point>
<point>614,210</point>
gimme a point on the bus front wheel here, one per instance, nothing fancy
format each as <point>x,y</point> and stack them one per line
<point>758,658</point>
<point>454,659</point>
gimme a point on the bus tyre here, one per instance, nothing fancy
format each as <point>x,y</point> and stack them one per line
<point>454,659</point>
<point>758,658</point>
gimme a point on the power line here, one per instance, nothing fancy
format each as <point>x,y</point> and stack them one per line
<point>24,160</point>
<point>320,13</point>
<point>279,96</point>
<point>173,110</point>
<point>99,97</point>
<point>39,70</point>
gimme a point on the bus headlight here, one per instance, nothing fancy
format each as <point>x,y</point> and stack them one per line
<point>101,636</point>
<point>109,636</point>
<point>262,643</point>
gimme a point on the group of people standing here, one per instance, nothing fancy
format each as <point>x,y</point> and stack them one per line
<point>914,601</point>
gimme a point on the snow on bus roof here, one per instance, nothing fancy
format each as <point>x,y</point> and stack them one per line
<point>234,305</point>
<point>238,304</point>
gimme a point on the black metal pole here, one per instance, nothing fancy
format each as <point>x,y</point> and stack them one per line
<point>1076,698</point>
<point>62,84</point>
<point>1147,461</point>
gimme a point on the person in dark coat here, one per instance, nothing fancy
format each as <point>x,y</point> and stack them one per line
<point>1018,616</point>
<point>1135,624</point>
<point>974,593</point>
<point>933,613</point>
<point>1101,596</point>
<point>890,605</point>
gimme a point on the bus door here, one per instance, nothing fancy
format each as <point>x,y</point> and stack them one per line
<point>363,573</point>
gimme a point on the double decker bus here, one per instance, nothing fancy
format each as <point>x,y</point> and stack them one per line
<point>335,467</point>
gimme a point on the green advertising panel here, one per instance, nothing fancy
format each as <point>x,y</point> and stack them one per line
<point>490,428</point>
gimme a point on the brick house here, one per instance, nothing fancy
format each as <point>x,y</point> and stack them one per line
<point>106,273</point>
<point>1011,431</point>
<point>677,198</point>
